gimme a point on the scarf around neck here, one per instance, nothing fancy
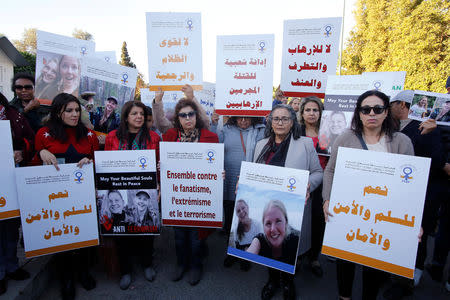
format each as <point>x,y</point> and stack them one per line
<point>191,137</point>
<point>280,152</point>
<point>135,145</point>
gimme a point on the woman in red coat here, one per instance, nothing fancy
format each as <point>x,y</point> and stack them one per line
<point>188,241</point>
<point>65,140</point>
<point>133,134</point>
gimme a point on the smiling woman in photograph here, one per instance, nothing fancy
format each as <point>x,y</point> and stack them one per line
<point>48,76</point>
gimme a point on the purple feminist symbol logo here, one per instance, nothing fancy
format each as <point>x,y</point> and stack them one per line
<point>327,30</point>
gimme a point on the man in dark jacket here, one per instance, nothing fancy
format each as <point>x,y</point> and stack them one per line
<point>426,139</point>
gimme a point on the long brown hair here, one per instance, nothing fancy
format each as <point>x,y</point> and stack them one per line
<point>123,133</point>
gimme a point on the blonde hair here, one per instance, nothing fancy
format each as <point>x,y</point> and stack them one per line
<point>280,205</point>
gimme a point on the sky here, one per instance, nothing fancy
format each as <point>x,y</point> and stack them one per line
<point>111,22</point>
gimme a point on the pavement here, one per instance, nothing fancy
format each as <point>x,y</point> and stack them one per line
<point>224,283</point>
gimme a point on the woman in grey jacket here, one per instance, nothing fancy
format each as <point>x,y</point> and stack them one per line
<point>285,147</point>
<point>372,129</point>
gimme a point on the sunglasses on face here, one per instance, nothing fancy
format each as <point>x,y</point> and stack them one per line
<point>185,115</point>
<point>377,109</point>
<point>27,87</point>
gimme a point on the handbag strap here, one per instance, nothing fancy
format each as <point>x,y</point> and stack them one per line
<point>243,144</point>
<point>361,140</point>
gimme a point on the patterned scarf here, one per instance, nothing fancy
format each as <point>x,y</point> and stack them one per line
<point>191,137</point>
<point>135,144</point>
<point>2,113</point>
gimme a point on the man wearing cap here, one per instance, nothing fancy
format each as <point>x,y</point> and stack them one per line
<point>144,212</point>
<point>426,139</point>
<point>106,119</point>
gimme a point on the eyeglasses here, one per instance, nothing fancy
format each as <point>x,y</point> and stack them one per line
<point>377,109</point>
<point>284,120</point>
<point>314,110</point>
<point>186,115</point>
<point>27,87</point>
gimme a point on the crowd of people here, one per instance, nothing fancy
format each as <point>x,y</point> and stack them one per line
<point>287,137</point>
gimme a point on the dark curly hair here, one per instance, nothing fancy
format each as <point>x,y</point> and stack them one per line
<point>183,102</point>
<point>22,75</point>
<point>123,132</point>
<point>233,120</point>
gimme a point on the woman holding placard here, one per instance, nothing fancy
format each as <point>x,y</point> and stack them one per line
<point>65,140</point>
<point>133,134</point>
<point>22,136</point>
<point>372,129</point>
<point>189,127</point>
<point>285,147</point>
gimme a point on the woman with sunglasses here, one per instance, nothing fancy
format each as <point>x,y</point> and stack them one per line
<point>188,127</point>
<point>373,129</point>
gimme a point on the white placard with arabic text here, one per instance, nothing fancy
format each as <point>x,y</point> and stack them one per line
<point>377,201</point>
<point>58,208</point>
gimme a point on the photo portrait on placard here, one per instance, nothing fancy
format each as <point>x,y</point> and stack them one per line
<point>128,211</point>
<point>266,226</point>
<point>421,106</point>
<point>428,105</point>
<point>103,90</point>
<point>332,124</point>
<point>441,110</point>
<point>55,74</point>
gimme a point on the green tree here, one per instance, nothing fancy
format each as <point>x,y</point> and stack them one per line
<point>82,35</point>
<point>28,41</point>
<point>31,58</point>
<point>401,35</point>
<point>125,59</point>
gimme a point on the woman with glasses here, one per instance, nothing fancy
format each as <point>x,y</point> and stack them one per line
<point>188,127</point>
<point>373,129</point>
<point>284,146</point>
<point>239,136</point>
